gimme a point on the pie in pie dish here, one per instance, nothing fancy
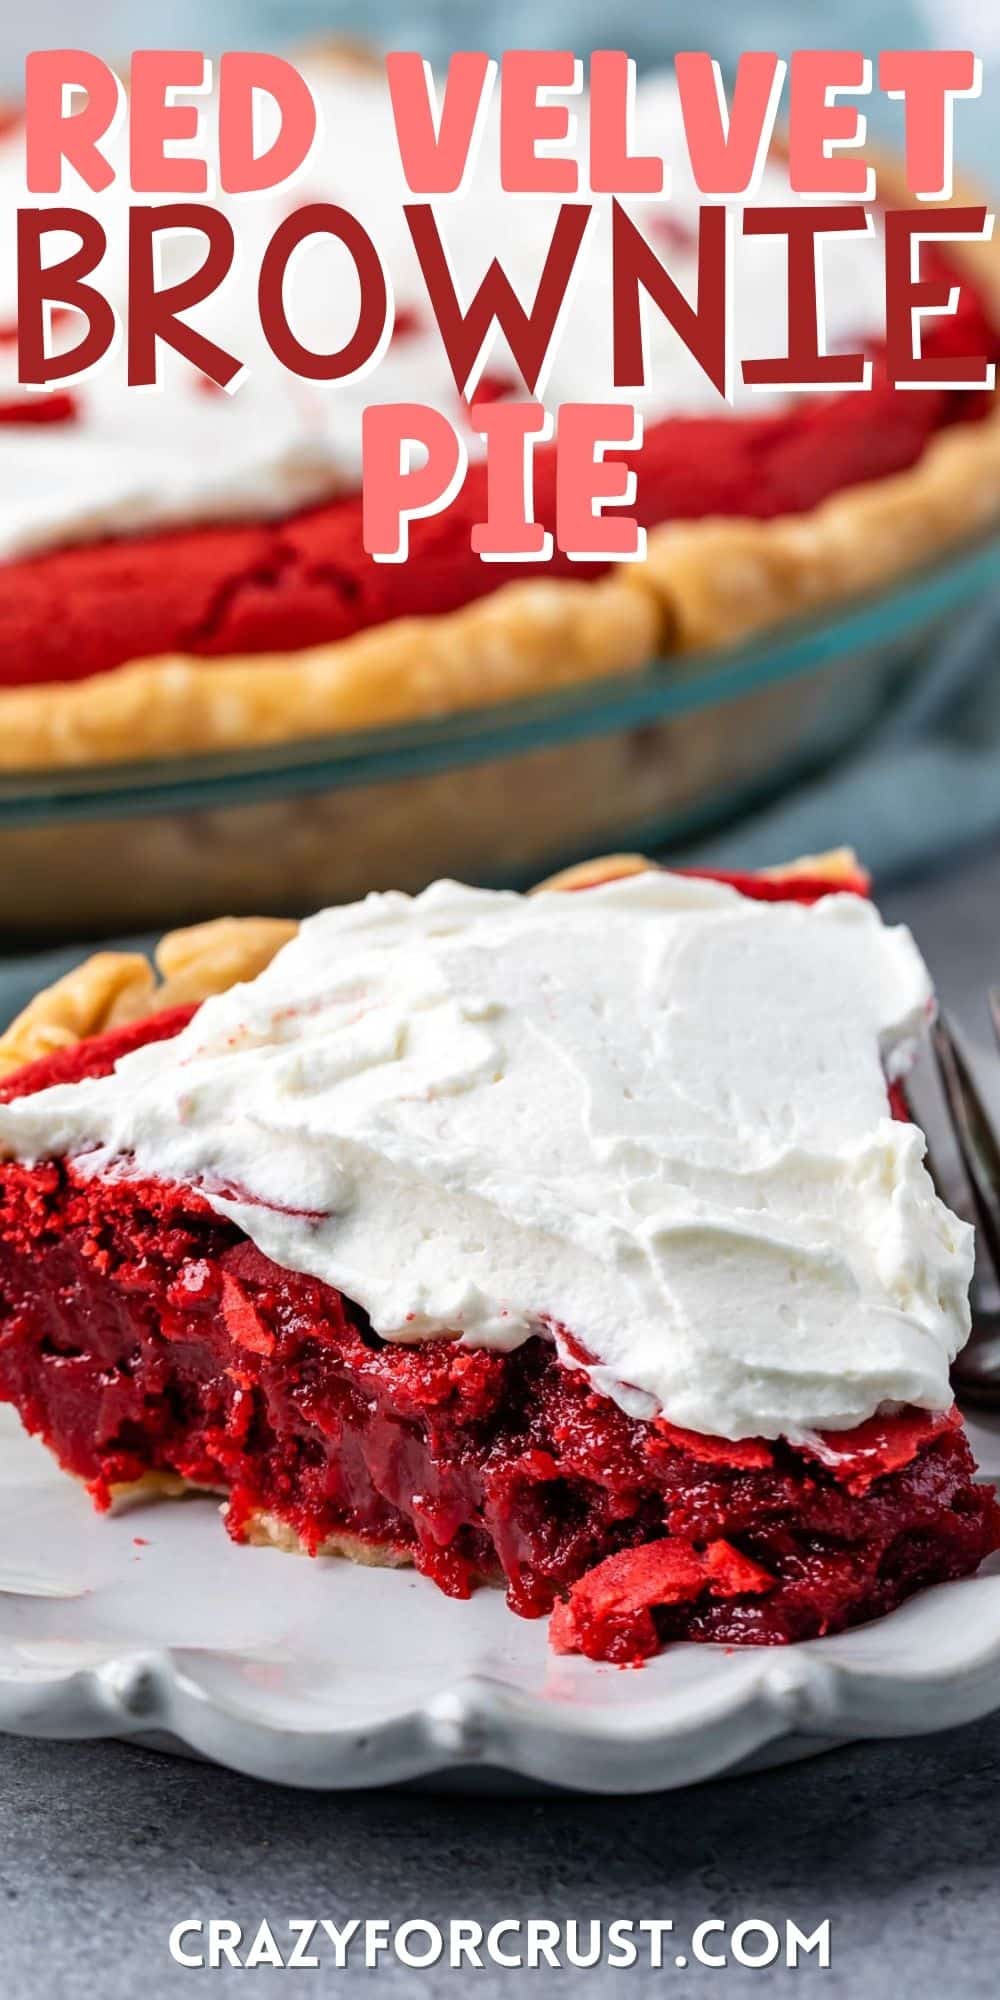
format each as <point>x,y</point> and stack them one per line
<point>579,1242</point>
<point>184,572</point>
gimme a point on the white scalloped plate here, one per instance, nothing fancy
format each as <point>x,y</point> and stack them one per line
<point>152,1623</point>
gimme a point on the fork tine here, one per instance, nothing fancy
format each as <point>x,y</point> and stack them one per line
<point>995,1010</point>
<point>952,1187</point>
<point>976,1138</point>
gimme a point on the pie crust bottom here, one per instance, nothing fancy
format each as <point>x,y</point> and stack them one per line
<point>262,1529</point>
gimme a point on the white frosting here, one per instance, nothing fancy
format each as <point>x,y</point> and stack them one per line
<point>137,459</point>
<point>653,1115</point>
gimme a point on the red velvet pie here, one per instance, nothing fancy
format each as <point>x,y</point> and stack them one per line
<point>146,1339</point>
<point>205,552</point>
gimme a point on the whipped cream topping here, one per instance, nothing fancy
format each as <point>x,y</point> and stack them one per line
<point>134,460</point>
<point>652,1117</point>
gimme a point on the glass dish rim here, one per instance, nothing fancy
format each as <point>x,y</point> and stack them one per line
<point>667,688</point>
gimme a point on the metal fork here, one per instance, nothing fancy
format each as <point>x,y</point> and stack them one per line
<point>967,1176</point>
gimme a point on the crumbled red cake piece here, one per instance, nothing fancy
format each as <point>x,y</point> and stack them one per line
<point>61,408</point>
<point>882,1445</point>
<point>748,1454</point>
<point>265,587</point>
<point>140,1333</point>
<point>610,1613</point>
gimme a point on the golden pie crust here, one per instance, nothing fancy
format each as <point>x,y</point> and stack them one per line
<point>524,638</point>
<point>702,584</point>
<point>112,988</point>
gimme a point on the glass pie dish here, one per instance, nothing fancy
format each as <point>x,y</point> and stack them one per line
<point>500,795</point>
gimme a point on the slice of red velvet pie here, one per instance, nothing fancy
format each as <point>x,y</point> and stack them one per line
<point>577,1243</point>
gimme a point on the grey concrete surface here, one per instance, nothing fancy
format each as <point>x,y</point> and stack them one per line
<point>103,1847</point>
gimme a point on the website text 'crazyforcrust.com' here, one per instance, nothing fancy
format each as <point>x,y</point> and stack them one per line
<point>206,1943</point>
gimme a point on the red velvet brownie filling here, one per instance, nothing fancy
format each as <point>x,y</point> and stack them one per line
<point>140,1333</point>
<point>281,586</point>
